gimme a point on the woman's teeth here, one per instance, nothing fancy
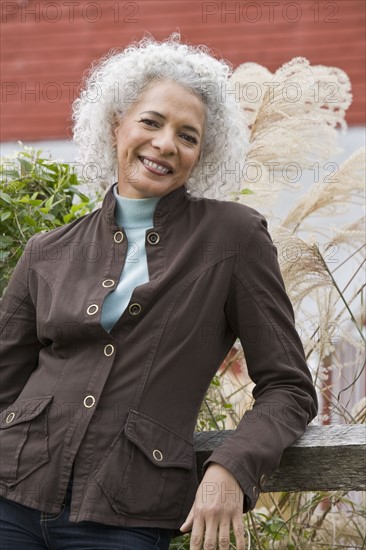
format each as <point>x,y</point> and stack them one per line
<point>155,166</point>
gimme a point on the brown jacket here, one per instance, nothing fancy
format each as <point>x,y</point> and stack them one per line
<point>122,406</point>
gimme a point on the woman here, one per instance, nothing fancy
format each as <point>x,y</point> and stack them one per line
<point>114,325</point>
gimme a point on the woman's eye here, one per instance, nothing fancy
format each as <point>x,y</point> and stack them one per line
<point>189,138</point>
<point>149,122</point>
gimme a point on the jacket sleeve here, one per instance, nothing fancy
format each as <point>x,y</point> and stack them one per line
<point>19,345</point>
<point>260,313</point>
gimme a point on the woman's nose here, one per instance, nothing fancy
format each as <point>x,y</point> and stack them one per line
<point>165,142</point>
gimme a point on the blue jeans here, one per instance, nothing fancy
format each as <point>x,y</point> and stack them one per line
<point>23,528</point>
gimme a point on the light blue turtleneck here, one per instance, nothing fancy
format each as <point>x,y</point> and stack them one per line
<point>135,216</point>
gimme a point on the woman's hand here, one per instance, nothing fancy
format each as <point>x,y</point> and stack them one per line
<point>218,503</point>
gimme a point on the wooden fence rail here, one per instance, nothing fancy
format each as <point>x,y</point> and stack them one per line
<point>325,458</point>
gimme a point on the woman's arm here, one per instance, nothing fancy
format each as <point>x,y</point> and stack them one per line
<point>19,345</point>
<point>260,313</point>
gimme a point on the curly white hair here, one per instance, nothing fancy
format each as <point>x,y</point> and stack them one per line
<point>117,81</point>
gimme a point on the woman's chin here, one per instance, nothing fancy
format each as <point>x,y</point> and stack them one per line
<point>149,188</point>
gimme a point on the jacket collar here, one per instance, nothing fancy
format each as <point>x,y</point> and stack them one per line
<point>167,205</point>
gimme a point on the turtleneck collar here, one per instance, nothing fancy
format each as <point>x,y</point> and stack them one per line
<point>167,206</point>
<point>133,213</point>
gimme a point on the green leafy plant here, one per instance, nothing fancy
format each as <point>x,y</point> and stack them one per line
<point>37,194</point>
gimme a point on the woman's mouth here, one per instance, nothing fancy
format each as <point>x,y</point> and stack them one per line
<point>155,167</point>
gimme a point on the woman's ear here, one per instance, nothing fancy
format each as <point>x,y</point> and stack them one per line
<point>115,128</point>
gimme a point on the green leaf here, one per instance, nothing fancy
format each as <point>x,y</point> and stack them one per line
<point>49,217</point>
<point>5,241</point>
<point>79,193</point>
<point>6,171</point>
<point>49,202</point>
<point>26,166</point>
<point>5,215</point>
<point>31,202</point>
<point>30,220</point>
<point>5,197</point>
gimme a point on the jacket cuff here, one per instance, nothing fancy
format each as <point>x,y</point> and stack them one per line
<point>250,488</point>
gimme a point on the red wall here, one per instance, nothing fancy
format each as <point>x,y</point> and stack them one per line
<point>47,45</point>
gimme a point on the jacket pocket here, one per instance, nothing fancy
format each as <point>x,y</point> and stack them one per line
<point>146,469</point>
<point>23,439</point>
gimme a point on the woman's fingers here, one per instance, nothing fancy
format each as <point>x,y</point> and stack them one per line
<point>187,525</point>
<point>198,534</point>
<point>216,536</point>
<point>239,531</point>
<point>224,534</point>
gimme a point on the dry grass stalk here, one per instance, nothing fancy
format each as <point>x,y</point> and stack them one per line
<point>292,118</point>
<point>332,196</point>
<point>302,270</point>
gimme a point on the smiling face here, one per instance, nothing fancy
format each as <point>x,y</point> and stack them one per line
<point>159,140</point>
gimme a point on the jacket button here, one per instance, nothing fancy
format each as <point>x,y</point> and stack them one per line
<point>108,350</point>
<point>10,418</point>
<point>158,455</point>
<point>153,238</point>
<point>118,237</point>
<point>263,480</point>
<point>107,283</point>
<point>92,309</point>
<point>89,401</point>
<point>134,309</point>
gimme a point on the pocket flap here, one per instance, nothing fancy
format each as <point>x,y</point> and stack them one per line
<point>160,444</point>
<point>23,410</point>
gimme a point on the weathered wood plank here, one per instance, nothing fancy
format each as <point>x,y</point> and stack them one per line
<point>325,458</point>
